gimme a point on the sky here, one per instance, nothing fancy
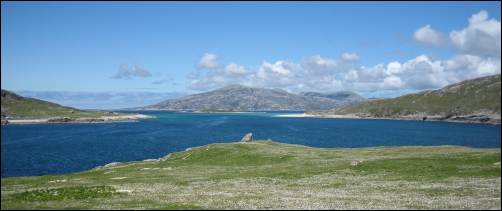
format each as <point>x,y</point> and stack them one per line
<point>377,49</point>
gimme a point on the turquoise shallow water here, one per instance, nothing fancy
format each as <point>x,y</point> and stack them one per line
<point>61,148</point>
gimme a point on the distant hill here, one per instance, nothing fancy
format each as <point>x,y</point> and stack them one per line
<point>243,98</point>
<point>100,100</point>
<point>17,107</point>
<point>342,97</point>
<point>477,99</point>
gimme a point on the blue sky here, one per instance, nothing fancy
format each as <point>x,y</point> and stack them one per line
<point>159,46</point>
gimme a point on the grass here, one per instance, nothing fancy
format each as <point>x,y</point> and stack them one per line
<point>17,107</point>
<point>434,168</point>
<point>65,193</point>
<point>271,175</point>
<point>458,99</point>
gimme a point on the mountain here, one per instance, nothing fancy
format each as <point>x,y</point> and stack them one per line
<point>243,98</point>
<point>471,100</point>
<point>17,107</point>
<point>343,97</point>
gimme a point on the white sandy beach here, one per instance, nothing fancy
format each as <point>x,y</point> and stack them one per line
<point>294,115</point>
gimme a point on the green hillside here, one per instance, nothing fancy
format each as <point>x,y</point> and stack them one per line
<point>18,107</point>
<point>481,95</point>
<point>271,175</point>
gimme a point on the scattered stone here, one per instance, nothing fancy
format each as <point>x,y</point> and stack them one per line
<point>117,178</point>
<point>355,162</point>
<point>57,181</point>
<point>111,164</point>
<point>151,160</point>
<point>60,119</point>
<point>184,158</point>
<point>247,138</point>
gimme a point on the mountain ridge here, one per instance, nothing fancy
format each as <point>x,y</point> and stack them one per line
<point>243,98</point>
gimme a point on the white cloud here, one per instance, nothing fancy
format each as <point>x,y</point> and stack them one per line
<point>126,72</point>
<point>317,65</point>
<point>428,36</point>
<point>421,72</point>
<point>350,57</point>
<point>481,37</point>
<point>393,68</point>
<point>279,68</point>
<point>316,73</point>
<point>208,61</point>
<point>392,82</point>
<point>235,69</point>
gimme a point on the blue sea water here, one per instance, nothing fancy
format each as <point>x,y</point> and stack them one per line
<point>41,149</point>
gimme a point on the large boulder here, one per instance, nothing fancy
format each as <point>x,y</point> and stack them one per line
<point>247,138</point>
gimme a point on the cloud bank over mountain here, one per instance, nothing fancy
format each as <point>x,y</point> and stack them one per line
<point>477,48</point>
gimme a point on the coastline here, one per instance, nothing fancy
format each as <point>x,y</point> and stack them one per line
<point>354,116</point>
<point>329,173</point>
<point>57,120</point>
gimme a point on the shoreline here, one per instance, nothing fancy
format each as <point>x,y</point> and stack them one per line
<point>87,120</point>
<point>349,116</point>
<point>120,164</point>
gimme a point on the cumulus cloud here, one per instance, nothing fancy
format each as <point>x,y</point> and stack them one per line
<point>481,37</point>
<point>235,69</point>
<point>475,58</point>
<point>428,36</point>
<point>208,61</point>
<point>316,74</point>
<point>128,71</point>
<point>350,57</point>
<point>317,65</point>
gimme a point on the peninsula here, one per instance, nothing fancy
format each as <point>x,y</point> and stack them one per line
<point>23,110</point>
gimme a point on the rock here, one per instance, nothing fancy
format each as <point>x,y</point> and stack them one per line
<point>247,138</point>
<point>60,119</point>
<point>111,164</point>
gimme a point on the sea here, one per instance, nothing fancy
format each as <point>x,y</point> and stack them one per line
<point>43,149</point>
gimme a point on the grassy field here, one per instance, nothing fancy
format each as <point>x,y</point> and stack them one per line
<point>271,175</point>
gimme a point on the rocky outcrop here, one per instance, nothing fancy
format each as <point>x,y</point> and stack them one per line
<point>115,118</point>
<point>247,138</point>
<point>60,120</point>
